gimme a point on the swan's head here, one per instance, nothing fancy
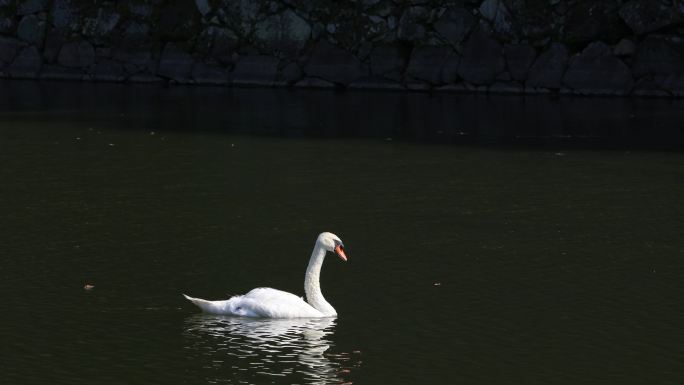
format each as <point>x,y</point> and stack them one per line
<point>333,243</point>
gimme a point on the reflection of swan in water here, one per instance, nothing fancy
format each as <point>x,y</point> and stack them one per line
<point>253,350</point>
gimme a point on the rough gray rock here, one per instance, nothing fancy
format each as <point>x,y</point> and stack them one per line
<point>108,70</point>
<point>547,71</point>
<point>256,70</point>
<point>648,87</point>
<point>644,16</point>
<point>588,20</point>
<point>504,76</point>
<point>416,44</point>
<point>364,50</point>
<point>659,55</point>
<point>427,63</point>
<point>135,31</point>
<point>334,64</point>
<point>79,54</point>
<point>455,24</point>
<point>286,32</point>
<point>8,50</point>
<point>27,7</point>
<point>411,25</point>
<point>378,29</point>
<point>203,73</point>
<point>496,12</point>
<point>135,60</point>
<point>450,69</point>
<point>239,14</point>
<point>388,61</point>
<point>222,44</point>
<point>661,86</point>
<point>519,59</point>
<point>27,63</point>
<point>175,63</point>
<point>103,52</point>
<point>203,7</point>
<point>660,59</point>
<point>53,72</point>
<point>31,30</point>
<point>178,21</point>
<point>65,16</point>
<point>52,46</point>
<point>596,71</point>
<point>673,83</point>
<point>625,47</point>
<point>482,59</point>
<point>369,3</point>
<point>140,9</point>
<point>102,24</point>
<point>6,24</point>
<point>292,73</point>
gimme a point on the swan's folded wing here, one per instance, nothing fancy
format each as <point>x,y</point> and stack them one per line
<point>273,303</point>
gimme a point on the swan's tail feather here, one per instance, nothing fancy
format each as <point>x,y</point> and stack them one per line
<point>206,306</point>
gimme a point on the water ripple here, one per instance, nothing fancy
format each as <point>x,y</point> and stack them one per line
<point>236,350</point>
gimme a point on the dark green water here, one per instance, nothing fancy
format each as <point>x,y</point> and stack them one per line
<point>539,262</point>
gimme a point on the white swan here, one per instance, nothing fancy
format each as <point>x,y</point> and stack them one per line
<point>271,303</point>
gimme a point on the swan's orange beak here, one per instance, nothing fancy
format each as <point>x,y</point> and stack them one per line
<point>340,252</point>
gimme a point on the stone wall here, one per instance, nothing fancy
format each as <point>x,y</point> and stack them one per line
<point>608,47</point>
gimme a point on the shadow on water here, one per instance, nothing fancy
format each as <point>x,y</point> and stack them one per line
<point>296,350</point>
<point>621,123</point>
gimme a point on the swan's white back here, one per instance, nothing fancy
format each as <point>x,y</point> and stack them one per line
<point>260,302</point>
<point>272,303</point>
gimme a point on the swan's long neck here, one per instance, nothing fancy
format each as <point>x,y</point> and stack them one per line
<point>312,286</point>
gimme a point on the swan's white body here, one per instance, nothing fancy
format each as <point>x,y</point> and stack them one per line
<point>272,303</point>
<point>261,302</point>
